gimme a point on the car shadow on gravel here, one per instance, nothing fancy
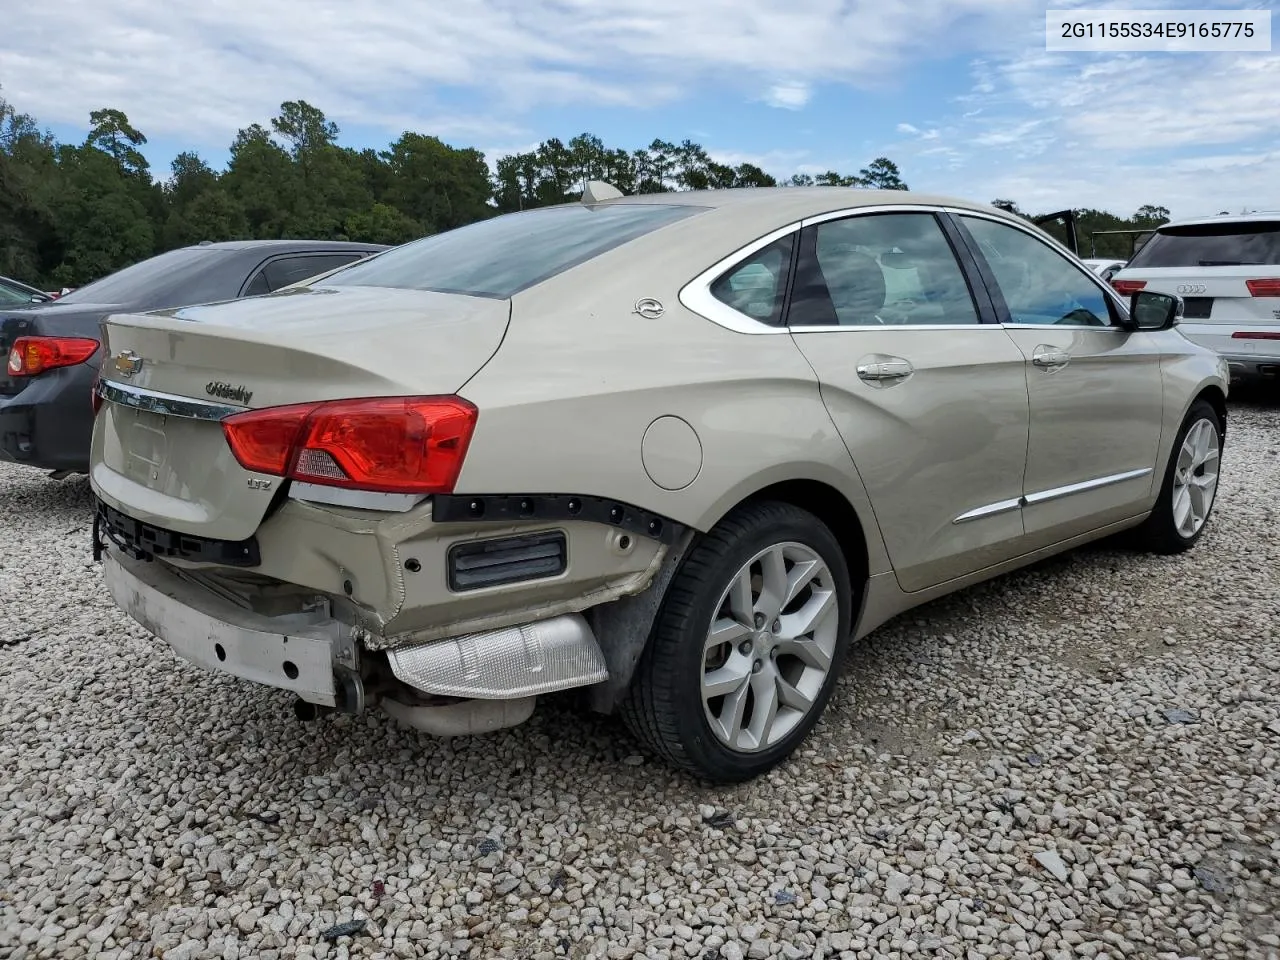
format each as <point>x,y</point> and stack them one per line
<point>34,492</point>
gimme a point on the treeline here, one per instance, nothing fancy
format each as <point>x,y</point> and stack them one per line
<point>70,213</point>
<point>1089,222</point>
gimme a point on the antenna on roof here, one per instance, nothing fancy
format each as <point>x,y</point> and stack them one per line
<point>597,191</point>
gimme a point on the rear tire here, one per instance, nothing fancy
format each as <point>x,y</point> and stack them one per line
<point>1190,484</point>
<point>746,647</point>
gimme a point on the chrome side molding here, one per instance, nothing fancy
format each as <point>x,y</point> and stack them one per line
<point>1044,496</point>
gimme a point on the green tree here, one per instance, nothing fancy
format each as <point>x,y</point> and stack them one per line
<point>882,174</point>
<point>111,132</point>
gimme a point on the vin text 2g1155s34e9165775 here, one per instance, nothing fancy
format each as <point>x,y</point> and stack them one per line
<point>675,451</point>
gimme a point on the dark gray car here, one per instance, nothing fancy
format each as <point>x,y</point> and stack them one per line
<point>53,350</point>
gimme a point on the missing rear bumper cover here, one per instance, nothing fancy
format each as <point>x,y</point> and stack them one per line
<point>142,541</point>
<point>506,507</point>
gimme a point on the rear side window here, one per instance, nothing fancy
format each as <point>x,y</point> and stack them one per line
<point>757,287</point>
<point>507,254</point>
<point>1212,245</point>
<point>286,270</point>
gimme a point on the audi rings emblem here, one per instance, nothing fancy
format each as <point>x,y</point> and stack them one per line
<point>1192,288</point>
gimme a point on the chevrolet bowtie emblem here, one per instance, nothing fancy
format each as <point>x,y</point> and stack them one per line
<point>127,363</point>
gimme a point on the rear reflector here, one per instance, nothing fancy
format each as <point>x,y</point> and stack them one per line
<point>1246,335</point>
<point>30,356</point>
<point>1264,288</point>
<point>383,444</point>
<point>1127,288</point>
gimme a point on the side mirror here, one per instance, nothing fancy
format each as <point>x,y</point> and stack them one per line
<point>1149,310</point>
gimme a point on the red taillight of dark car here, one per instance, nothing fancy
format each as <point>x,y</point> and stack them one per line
<point>31,356</point>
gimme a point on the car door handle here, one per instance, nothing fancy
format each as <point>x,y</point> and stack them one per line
<point>1050,358</point>
<point>895,369</point>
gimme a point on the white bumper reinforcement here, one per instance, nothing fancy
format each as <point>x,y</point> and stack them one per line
<point>294,652</point>
<point>301,652</point>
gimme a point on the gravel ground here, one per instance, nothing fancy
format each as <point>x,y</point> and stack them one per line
<point>999,774</point>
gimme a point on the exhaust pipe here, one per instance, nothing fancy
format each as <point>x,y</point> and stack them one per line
<point>350,699</point>
<point>306,711</point>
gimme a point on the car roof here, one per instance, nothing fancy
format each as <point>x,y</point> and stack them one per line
<point>283,246</point>
<point>800,202</point>
<point>1258,216</point>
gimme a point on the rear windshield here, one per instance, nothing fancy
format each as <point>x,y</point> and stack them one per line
<point>172,279</point>
<point>502,256</point>
<point>1212,245</point>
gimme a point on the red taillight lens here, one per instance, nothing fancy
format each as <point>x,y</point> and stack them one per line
<point>263,440</point>
<point>1127,288</point>
<point>385,444</point>
<point>1246,335</point>
<point>34,355</point>
<point>1264,288</point>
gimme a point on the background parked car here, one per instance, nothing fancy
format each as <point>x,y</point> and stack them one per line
<point>1227,270</point>
<point>53,356</point>
<point>1104,267</point>
<point>14,293</point>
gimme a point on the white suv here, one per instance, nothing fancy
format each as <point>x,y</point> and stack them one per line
<point>1227,270</point>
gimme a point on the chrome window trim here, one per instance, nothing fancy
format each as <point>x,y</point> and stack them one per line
<point>696,294</point>
<point>1044,238</point>
<point>165,404</point>
<point>1046,496</point>
<point>885,328</point>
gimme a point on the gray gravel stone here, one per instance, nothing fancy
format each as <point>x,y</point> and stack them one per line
<point>964,743</point>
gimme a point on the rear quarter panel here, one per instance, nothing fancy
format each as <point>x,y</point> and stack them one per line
<point>566,402</point>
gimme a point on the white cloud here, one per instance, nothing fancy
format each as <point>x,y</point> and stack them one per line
<point>907,128</point>
<point>788,96</point>
<point>200,71</point>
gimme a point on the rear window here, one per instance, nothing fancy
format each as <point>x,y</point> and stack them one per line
<point>1212,245</point>
<point>500,257</point>
<point>172,279</point>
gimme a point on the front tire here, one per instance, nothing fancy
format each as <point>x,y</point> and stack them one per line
<point>746,647</point>
<point>1190,484</point>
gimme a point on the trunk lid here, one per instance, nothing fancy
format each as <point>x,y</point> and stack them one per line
<point>164,466</point>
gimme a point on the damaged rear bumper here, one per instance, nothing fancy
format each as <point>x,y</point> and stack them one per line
<point>317,657</point>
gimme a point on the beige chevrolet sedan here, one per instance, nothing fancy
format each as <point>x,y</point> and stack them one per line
<point>677,451</point>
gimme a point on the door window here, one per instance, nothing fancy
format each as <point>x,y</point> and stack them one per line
<point>1039,285</point>
<point>892,269</point>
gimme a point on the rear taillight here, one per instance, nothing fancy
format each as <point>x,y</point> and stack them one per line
<point>1127,288</point>
<point>1247,335</point>
<point>33,355</point>
<point>385,444</point>
<point>1264,288</point>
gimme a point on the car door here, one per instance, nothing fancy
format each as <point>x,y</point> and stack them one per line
<point>930,400</point>
<point>1095,388</point>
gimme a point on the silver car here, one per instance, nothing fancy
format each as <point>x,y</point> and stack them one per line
<point>676,451</point>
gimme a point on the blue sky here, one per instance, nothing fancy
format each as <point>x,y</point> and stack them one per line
<point>960,93</point>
